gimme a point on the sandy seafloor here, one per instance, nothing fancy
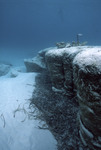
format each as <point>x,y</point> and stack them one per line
<point>17,132</point>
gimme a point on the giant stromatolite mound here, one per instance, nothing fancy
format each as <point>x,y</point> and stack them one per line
<point>69,83</point>
<point>87,78</point>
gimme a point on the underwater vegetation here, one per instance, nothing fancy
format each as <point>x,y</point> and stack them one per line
<point>73,43</point>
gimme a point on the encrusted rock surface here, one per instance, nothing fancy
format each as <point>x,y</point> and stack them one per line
<point>87,77</point>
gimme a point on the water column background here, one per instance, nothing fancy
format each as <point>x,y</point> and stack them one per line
<point>27,26</point>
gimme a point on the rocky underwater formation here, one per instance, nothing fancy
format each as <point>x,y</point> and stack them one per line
<point>68,93</point>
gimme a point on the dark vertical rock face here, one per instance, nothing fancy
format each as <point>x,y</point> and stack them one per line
<point>87,77</point>
<point>68,58</point>
<point>59,65</point>
<point>54,61</point>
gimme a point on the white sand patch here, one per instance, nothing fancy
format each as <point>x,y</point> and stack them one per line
<point>20,133</point>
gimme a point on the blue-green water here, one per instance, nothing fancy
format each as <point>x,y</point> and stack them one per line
<point>26,26</point>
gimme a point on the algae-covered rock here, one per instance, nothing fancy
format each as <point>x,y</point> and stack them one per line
<point>87,78</point>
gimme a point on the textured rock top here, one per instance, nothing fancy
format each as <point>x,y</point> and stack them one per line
<point>68,50</point>
<point>55,51</point>
<point>89,57</point>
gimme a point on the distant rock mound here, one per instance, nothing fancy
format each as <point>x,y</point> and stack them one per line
<point>4,69</point>
<point>36,64</point>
